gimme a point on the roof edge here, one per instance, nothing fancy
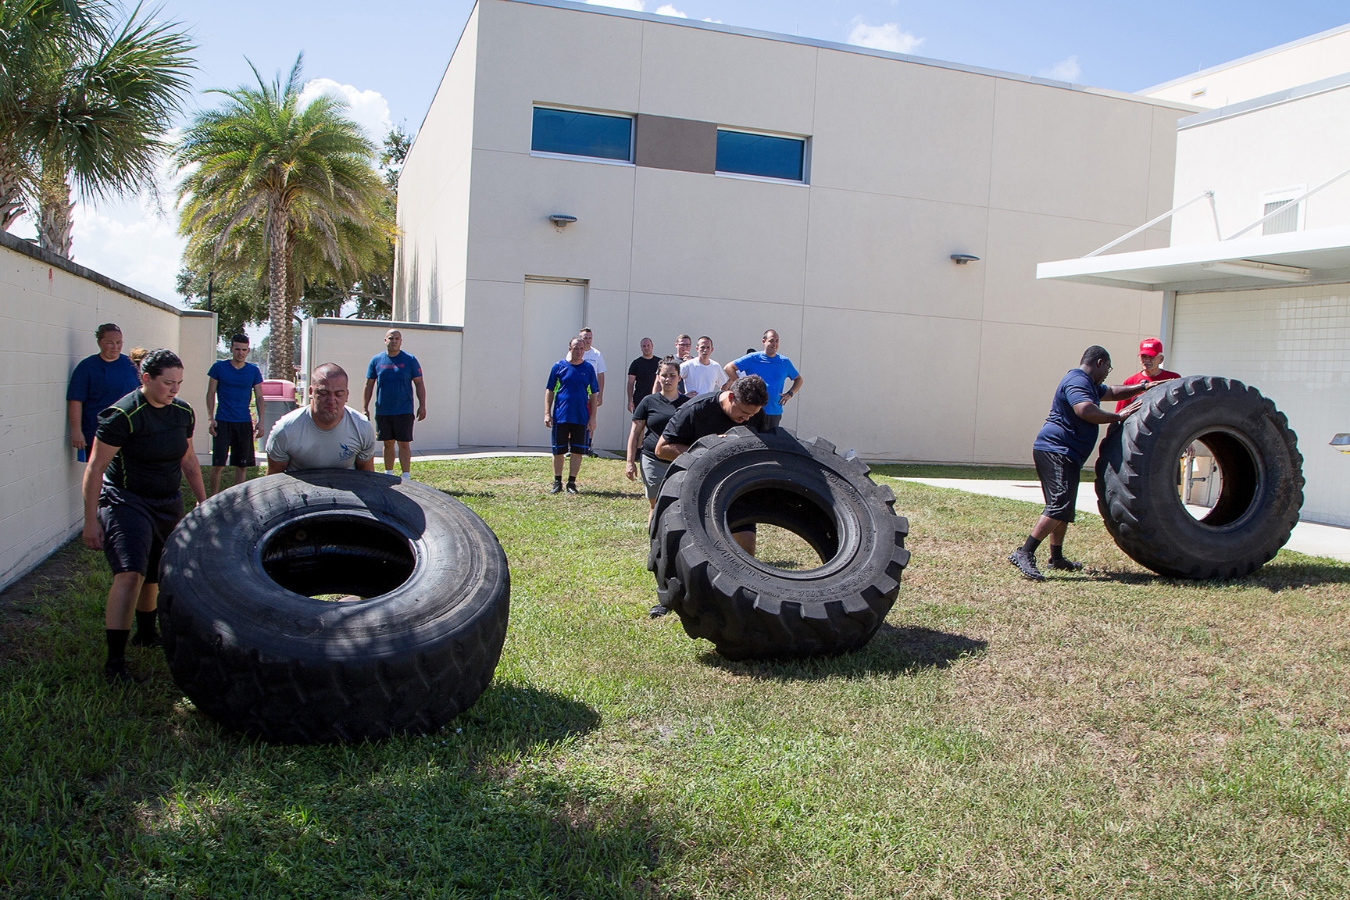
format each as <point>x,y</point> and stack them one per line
<point>822,44</point>
<point>1312,38</point>
<point>1312,88</point>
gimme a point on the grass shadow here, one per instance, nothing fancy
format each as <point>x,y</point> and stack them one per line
<point>892,651</point>
<point>1273,577</point>
<point>476,495</point>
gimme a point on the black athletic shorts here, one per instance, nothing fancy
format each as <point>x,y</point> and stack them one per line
<point>569,436</point>
<point>395,428</point>
<point>1059,484</point>
<point>233,441</point>
<point>135,529</point>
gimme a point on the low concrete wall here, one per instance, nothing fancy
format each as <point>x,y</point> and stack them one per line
<point>351,343</point>
<point>49,308</point>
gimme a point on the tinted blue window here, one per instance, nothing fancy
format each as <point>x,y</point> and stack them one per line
<point>760,154</point>
<point>582,134</point>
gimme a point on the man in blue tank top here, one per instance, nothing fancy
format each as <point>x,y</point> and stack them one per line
<point>1062,446</point>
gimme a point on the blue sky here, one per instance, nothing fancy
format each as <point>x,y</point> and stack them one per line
<point>387,58</point>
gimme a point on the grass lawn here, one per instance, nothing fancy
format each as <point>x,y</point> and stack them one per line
<point>1110,734</point>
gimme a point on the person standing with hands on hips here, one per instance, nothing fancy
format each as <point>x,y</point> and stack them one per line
<point>98,382</point>
<point>233,430</point>
<point>132,501</point>
<point>397,374</point>
<point>776,371</point>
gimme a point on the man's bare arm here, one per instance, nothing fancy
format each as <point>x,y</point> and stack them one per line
<point>669,451</point>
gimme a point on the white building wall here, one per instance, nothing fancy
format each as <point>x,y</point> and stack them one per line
<point>906,355</point>
<point>1287,145</point>
<point>1280,68</point>
<point>49,310</point>
<point>1292,344</point>
<point>352,343</point>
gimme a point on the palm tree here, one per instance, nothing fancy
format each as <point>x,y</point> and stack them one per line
<point>82,100</point>
<point>262,162</point>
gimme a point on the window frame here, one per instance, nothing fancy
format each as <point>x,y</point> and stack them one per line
<point>805,140</point>
<point>602,160</point>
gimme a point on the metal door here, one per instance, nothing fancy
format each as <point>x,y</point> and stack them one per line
<point>553,316</point>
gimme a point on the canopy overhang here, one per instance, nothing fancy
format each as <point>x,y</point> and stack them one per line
<point>1298,257</point>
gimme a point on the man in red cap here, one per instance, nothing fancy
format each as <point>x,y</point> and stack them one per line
<point>1151,358</point>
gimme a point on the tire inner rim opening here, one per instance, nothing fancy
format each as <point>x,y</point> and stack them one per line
<point>338,557</point>
<point>1223,491</point>
<point>792,510</point>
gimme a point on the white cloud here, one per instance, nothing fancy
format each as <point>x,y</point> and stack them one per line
<point>368,109</point>
<point>670,10</point>
<point>882,37</point>
<point>631,5</point>
<point>1064,70</point>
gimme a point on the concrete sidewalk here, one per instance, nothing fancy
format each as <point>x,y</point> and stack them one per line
<point>1314,540</point>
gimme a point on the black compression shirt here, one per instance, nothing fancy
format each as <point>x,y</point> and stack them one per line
<point>152,441</point>
<point>703,416</point>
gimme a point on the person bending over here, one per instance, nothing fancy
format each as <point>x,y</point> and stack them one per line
<point>326,433</point>
<point>1062,446</point>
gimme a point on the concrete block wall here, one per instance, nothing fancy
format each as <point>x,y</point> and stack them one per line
<point>49,309</point>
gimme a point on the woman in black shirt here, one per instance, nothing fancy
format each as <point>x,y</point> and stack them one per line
<point>649,420</point>
<point>132,502</point>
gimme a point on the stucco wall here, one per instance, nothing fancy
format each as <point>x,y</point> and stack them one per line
<point>1280,68</point>
<point>906,355</point>
<point>352,342</point>
<point>49,309</point>
<point>1292,344</point>
<point>1291,145</point>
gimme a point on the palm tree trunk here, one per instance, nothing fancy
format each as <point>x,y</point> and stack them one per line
<point>54,208</point>
<point>11,199</point>
<point>279,364</point>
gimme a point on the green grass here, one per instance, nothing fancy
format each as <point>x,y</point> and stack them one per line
<point>1111,734</point>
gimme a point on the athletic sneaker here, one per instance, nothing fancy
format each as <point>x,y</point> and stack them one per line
<point>572,488</point>
<point>555,487</point>
<point>658,611</point>
<point>116,673</point>
<point>1064,565</point>
<point>1026,564</point>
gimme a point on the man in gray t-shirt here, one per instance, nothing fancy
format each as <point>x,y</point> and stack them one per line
<point>325,434</point>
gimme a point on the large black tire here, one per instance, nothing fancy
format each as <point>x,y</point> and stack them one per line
<point>251,649</point>
<point>1138,469</point>
<point>745,607</point>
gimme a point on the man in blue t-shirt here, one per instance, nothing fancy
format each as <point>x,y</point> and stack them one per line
<point>397,374</point>
<point>774,369</point>
<point>1063,445</point>
<point>97,383</point>
<point>570,398</point>
<point>233,428</point>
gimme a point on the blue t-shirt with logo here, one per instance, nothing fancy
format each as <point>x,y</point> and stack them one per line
<point>98,384</point>
<point>1064,432</point>
<point>776,372</point>
<point>233,387</point>
<point>394,382</point>
<point>572,387</point>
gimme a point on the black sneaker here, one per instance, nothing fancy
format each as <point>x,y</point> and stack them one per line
<point>1064,565</point>
<point>145,639</point>
<point>1026,564</point>
<point>572,488</point>
<point>658,611</point>
<point>555,488</point>
<point>116,673</point>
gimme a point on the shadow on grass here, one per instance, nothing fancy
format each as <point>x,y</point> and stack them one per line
<point>892,651</point>
<point>1273,577</point>
<point>459,495</point>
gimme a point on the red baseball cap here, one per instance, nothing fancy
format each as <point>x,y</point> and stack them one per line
<point>1150,347</point>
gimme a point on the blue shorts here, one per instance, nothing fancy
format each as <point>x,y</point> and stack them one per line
<point>569,436</point>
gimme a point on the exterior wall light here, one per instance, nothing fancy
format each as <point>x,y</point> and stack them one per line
<point>561,220</point>
<point>1341,442</point>
<point>962,258</point>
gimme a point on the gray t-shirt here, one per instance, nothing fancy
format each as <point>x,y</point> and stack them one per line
<point>297,440</point>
